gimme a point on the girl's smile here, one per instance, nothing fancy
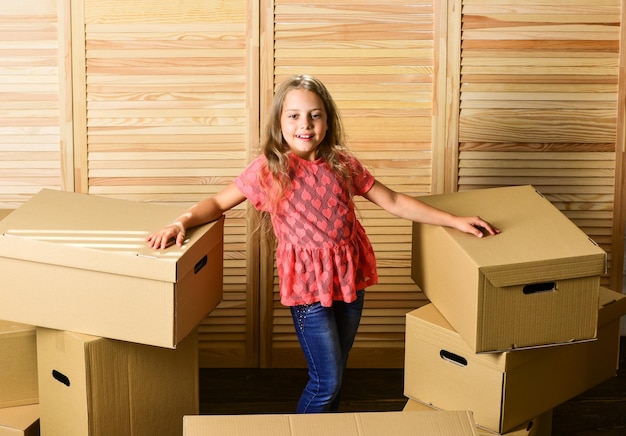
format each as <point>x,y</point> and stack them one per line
<point>303,122</point>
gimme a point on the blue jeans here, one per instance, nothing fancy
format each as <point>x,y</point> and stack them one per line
<point>326,335</point>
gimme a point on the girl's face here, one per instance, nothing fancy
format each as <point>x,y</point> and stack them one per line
<point>303,122</point>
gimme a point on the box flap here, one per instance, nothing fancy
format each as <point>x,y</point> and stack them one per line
<point>9,329</point>
<point>95,233</point>
<point>416,423</point>
<point>435,329</point>
<point>612,305</point>
<point>437,423</point>
<point>19,418</point>
<point>536,238</point>
<point>4,213</point>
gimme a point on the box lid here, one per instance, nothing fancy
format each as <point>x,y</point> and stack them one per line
<point>436,423</point>
<point>537,240</point>
<point>100,234</point>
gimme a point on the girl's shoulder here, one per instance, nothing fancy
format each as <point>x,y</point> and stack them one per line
<point>258,163</point>
<point>351,161</point>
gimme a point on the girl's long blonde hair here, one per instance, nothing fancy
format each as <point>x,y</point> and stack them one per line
<point>333,148</point>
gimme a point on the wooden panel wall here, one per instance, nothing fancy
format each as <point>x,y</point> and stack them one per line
<point>171,115</point>
<point>377,60</point>
<point>538,102</point>
<point>153,100</point>
<point>33,142</point>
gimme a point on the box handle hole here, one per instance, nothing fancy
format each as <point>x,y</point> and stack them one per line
<point>537,288</point>
<point>453,358</point>
<point>201,263</point>
<point>60,377</point>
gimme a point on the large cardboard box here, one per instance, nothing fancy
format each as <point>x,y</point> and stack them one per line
<point>457,423</point>
<point>534,284</point>
<point>20,421</point>
<point>18,365</point>
<point>507,389</point>
<point>539,426</point>
<point>92,386</point>
<point>80,262</point>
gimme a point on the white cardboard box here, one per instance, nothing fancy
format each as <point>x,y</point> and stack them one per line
<point>539,426</point>
<point>18,365</point>
<point>505,390</point>
<point>20,421</point>
<point>534,284</point>
<point>80,263</point>
<point>458,423</point>
<point>92,386</point>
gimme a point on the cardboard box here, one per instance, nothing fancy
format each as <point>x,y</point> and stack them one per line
<point>80,263</point>
<point>20,421</point>
<point>534,284</point>
<point>18,365</point>
<point>505,390</point>
<point>456,423</point>
<point>539,426</point>
<point>91,386</point>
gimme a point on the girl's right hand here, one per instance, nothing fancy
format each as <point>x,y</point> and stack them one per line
<point>173,233</point>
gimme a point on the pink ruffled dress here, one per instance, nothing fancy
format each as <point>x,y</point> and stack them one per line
<point>323,253</point>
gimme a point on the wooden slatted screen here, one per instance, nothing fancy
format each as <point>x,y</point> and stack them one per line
<point>163,103</point>
<point>377,60</point>
<point>169,98</point>
<point>538,103</point>
<point>32,100</point>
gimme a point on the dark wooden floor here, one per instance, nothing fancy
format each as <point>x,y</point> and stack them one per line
<point>599,411</point>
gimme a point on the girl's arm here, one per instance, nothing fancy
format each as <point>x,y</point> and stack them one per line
<point>204,211</point>
<point>412,209</point>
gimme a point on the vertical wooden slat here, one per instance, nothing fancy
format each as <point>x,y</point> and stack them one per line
<point>446,96</point>
<point>79,100</point>
<point>66,125</point>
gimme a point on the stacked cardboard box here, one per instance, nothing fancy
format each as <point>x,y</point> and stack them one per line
<point>517,323</point>
<point>19,395</point>
<point>18,365</point>
<point>116,336</point>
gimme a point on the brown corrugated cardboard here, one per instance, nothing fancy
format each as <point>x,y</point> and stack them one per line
<point>456,423</point>
<point>20,421</point>
<point>534,284</point>
<point>539,426</point>
<point>18,365</point>
<point>507,389</point>
<point>91,386</point>
<point>80,262</point>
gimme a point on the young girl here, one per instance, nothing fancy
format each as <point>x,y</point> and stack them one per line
<point>306,180</point>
